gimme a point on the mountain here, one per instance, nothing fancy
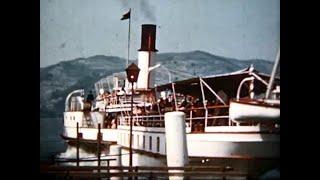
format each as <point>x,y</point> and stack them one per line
<point>199,63</point>
<point>57,81</point>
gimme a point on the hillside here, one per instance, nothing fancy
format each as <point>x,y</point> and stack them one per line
<point>199,63</point>
<point>56,81</point>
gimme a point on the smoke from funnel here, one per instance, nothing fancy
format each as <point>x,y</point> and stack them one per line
<point>146,10</point>
<point>124,3</point>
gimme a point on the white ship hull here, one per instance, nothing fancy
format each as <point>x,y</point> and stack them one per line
<point>90,134</point>
<point>217,141</point>
<point>232,144</point>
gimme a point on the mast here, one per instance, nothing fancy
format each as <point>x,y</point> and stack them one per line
<point>124,17</point>
<point>129,37</point>
<point>273,74</point>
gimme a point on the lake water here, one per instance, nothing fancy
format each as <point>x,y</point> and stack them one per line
<point>50,140</point>
<point>51,144</point>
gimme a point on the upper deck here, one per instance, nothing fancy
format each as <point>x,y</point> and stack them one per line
<point>205,101</point>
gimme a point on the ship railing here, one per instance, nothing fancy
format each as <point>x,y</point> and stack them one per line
<point>144,120</point>
<point>196,118</point>
<point>200,117</point>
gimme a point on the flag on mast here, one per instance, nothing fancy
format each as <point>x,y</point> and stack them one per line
<point>126,15</point>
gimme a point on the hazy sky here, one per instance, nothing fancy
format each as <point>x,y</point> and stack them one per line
<point>242,29</point>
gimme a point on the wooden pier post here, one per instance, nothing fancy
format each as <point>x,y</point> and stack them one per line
<point>77,144</point>
<point>136,171</point>
<point>99,146</point>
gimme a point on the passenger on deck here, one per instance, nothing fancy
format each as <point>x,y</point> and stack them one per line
<point>218,111</point>
<point>198,109</point>
<point>100,96</point>
<point>183,105</point>
<point>113,98</point>
<point>113,124</point>
<point>154,108</point>
<point>172,104</point>
<point>169,104</point>
<point>106,98</point>
<point>101,101</point>
<point>138,111</point>
<point>162,105</point>
<point>90,99</point>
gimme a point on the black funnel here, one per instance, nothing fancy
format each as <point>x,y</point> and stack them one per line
<point>148,38</point>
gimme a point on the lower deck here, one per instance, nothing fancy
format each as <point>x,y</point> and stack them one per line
<point>237,142</point>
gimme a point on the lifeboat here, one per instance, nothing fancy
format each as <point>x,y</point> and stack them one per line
<point>254,110</point>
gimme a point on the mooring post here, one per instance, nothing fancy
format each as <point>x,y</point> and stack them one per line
<point>115,151</point>
<point>176,142</point>
<point>77,144</point>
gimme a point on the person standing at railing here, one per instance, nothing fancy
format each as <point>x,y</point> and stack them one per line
<point>198,108</point>
<point>90,99</point>
<point>113,98</point>
<point>106,98</point>
<point>162,105</point>
<point>169,104</point>
<point>113,123</point>
<point>172,104</point>
<point>219,110</point>
<point>182,106</point>
<point>185,105</point>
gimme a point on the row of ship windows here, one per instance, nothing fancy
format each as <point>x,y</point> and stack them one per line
<point>71,117</point>
<point>123,136</point>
